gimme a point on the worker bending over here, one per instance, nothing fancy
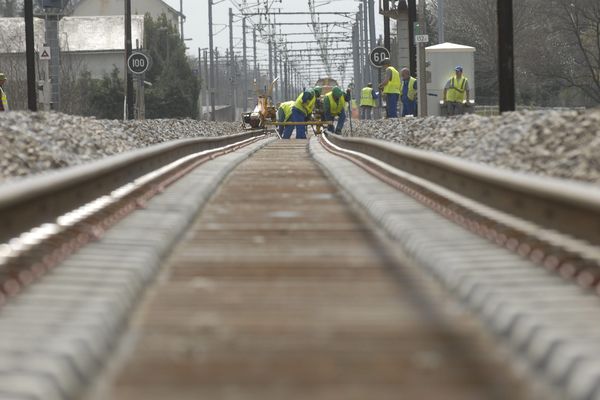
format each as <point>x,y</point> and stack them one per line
<point>391,87</point>
<point>408,88</point>
<point>456,92</point>
<point>4,100</point>
<point>333,106</point>
<point>301,110</point>
<point>284,112</point>
<point>368,101</point>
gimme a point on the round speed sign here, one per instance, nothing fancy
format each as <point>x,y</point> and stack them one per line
<point>138,63</point>
<point>378,54</point>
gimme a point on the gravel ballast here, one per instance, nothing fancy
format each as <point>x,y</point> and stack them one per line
<point>564,144</point>
<point>31,143</point>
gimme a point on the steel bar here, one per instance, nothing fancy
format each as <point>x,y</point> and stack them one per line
<point>506,75</point>
<point>128,51</point>
<point>30,56</point>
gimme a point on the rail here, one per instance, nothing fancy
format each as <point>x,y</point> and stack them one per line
<point>568,207</point>
<point>37,200</point>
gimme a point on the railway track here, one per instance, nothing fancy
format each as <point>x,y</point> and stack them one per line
<point>280,288</point>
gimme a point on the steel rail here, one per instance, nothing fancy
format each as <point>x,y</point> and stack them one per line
<point>34,201</point>
<point>567,207</point>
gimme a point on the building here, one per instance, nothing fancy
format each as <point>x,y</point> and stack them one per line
<point>93,8</point>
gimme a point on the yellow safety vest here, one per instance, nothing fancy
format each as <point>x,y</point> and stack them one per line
<point>4,100</point>
<point>393,86</point>
<point>457,93</point>
<point>366,97</point>
<point>412,92</point>
<point>335,108</point>
<point>287,109</point>
<point>311,105</point>
<point>304,107</point>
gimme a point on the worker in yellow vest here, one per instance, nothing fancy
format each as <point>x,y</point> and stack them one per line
<point>284,112</point>
<point>301,110</point>
<point>368,101</point>
<point>456,92</point>
<point>408,90</point>
<point>391,86</point>
<point>4,100</point>
<point>334,106</point>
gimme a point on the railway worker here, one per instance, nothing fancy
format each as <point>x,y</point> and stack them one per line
<point>300,113</point>
<point>408,88</point>
<point>334,106</point>
<point>391,87</point>
<point>4,100</point>
<point>368,99</point>
<point>284,112</point>
<point>456,92</point>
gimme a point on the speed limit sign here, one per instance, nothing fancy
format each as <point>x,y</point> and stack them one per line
<point>138,63</point>
<point>378,54</point>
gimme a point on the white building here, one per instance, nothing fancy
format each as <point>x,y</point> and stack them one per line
<point>93,8</point>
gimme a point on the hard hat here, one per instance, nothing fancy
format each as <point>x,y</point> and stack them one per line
<point>2,77</point>
<point>337,92</point>
<point>318,90</point>
<point>369,84</point>
<point>458,68</point>
<point>386,61</point>
<point>310,93</point>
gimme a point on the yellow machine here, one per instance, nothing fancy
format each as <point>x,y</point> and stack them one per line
<point>264,112</point>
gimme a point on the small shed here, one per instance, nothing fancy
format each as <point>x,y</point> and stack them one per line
<point>441,61</point>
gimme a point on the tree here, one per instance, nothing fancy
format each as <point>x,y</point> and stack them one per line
<point>174,90</point>
<point>574,37</point>
<point>105,96</point>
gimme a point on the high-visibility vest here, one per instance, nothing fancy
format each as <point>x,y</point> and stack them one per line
<point>335,107</point>
<point>4,100</point>
<point>366,97</point>
<point>287,109</point>
<point>412,91</point>
<point>304,107</point>
<point>311,105</point>
<point>393,86</point>
<point>457,93</point>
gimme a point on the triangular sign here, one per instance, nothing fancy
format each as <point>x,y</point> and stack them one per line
<point>45,54</point>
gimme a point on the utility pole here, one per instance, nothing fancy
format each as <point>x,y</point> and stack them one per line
<point>387,40</point>
<point>245,62</point>
<point>212,60</point>
<point>506,74</point>
<point>372,37</point>
<point>361,58</point>
<point>368,72</point>
<point>208,80</point>
<point>422,64</point>
<point>30,56</point>
<point>270,61</point>
<point>255,66</point>
<point>181,19</point>
<point>275,62</point>
<point>412,19</point>
<point>356,55</point>
<point>202,78</point>
<point>128,50</point>
<point>232,66</point>
<point>440,4</point>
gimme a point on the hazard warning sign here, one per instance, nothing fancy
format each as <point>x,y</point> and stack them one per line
<point>45,53</point>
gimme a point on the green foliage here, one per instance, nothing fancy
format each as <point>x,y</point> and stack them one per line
<point>174,90</point>
<point>104,96</point>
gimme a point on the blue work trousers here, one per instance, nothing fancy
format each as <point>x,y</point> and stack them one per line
<point>297,116</point>
<point>391,104</point>
<point>409,107</point>
<point>280,118</point>
<point>340,124</point>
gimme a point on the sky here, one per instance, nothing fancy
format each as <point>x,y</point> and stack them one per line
<point>196,26</point>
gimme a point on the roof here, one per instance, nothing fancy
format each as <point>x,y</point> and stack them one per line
<point>77,34</point>
<point>450,47</point>
<point>12,34</point>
